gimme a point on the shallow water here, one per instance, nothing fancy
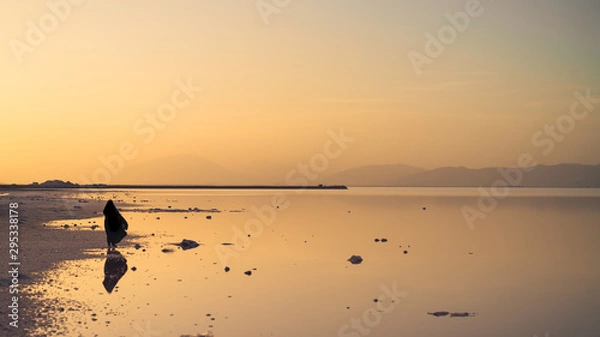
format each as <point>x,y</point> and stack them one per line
<point>529,268</point>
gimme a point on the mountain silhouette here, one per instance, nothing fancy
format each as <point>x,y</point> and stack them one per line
<point>372,175</point>
<point>563,175</point>
<point>176,170</point>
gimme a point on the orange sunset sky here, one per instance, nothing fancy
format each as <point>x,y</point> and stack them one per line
<point>276,79</point>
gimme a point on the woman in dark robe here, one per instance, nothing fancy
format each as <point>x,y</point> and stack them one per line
<point>114,224</point>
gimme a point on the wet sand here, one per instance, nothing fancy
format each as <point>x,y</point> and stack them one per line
<point>40,248</point>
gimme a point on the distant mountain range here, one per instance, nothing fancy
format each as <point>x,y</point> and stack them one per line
<point>177,170</point>
<point>373,175</point>
<point>563,175</point>
<point>195,171</point>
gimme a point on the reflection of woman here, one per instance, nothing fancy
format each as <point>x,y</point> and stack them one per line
<point>115,267</point>
<point>114,224</point>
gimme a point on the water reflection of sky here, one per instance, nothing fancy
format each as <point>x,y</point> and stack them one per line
<point>530,267</point>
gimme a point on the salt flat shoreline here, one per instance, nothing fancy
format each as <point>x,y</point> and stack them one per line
<point>41,248</point>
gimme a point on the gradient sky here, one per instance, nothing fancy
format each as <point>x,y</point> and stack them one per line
<point>271,92</point>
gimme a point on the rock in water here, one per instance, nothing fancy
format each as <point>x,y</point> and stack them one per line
<point>188,244</point>
<point>355,259</point>
<point>451,314</point>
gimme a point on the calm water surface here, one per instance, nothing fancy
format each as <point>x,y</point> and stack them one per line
<point>530,267</point>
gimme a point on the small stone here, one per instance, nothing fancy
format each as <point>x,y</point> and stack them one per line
<point>227,269</point>
<point>133,268</point>
<point>355,259</point>
<point>188,244</point>
<point>384,240</point>
<point>208,217</point>
<point>249,273</point>
<point>376,240</point>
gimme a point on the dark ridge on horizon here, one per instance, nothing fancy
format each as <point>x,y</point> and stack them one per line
<point>541,176</point>
<point>59,184</point>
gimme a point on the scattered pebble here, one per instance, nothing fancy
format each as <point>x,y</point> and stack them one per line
<point>249,272</point>
<point>188,244</point>
<point>355,259</point>
<point>451,314</point>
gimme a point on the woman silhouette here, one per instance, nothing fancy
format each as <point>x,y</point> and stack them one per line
<point>114,224</point>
